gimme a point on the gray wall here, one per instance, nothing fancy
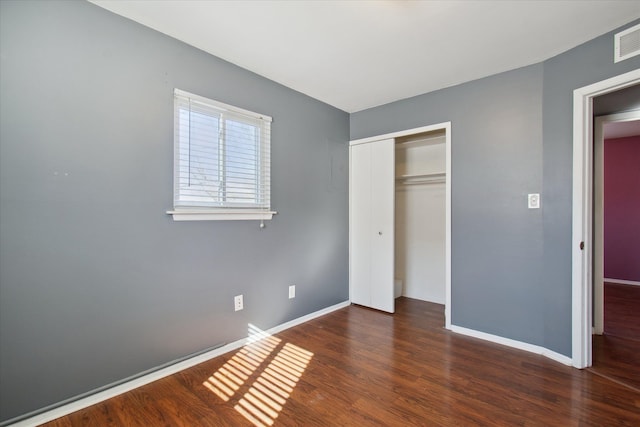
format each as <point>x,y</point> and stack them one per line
<point>511,135</point>
<point>496,161</point>
<point>622,100</point>
<point>584,65</point>
<point>97,283</point>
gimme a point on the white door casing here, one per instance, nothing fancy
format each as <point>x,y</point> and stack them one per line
<point>582,198</point>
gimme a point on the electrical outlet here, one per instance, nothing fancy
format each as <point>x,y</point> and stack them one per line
<point>238,303</point>
<point>292,291</point>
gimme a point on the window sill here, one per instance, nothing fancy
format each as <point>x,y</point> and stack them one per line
<point>220,215</point>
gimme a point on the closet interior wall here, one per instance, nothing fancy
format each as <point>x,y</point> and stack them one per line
<point>420,215</point>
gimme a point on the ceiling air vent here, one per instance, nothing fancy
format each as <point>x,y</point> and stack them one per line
<point>627,44</point>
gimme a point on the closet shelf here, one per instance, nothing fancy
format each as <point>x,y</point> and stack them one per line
<point>436,138</point>
<point>423,178</point>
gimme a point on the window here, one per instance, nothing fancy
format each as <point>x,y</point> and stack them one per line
<point>221,161</point>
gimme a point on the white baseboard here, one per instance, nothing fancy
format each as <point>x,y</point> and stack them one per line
<point>515,344</point>
<point>109,393</point>
<point>622,282</point>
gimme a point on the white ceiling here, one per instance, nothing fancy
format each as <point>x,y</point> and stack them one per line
<point>359,54</point>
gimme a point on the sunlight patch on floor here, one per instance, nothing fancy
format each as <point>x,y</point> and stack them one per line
<point>264,389</point>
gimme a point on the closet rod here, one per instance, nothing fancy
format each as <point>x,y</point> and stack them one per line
<point>424,182</point>
<point>428,178</point>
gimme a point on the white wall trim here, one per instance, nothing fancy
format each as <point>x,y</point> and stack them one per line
<point>582,260</point>
<point>531,348</point>
<point>109,393</point>
<point>621,282</point>
<point>221,214</point>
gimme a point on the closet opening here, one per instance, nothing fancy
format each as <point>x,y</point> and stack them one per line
<point>420,216</point>
<point>400,218</point>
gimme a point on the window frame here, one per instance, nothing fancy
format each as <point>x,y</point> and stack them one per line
<point>211,210</point>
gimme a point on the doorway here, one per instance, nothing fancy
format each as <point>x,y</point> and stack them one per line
<point>420,216</point>
<point>616,242</point>
<point>582,233</point>
<point>621,132</point>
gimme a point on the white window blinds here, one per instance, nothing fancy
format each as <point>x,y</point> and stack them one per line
<point>222,157</point>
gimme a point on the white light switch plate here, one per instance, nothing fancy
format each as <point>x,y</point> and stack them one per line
<point>534,201</point>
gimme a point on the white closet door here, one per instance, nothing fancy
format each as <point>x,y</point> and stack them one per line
<point>371,224</point>
<point>383,205</point>
<point>360,224</point>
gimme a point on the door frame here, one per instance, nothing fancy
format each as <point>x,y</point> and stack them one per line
<point>582,207</point>
<point>446,126</point>
<point>598,212</point>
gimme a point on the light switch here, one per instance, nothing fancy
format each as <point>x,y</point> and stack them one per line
<point>534,201</point>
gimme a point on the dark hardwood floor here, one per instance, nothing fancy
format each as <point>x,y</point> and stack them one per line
<point>618,359</point>
<point>616,354</point>
<point>622,311</point>
<point>360,367</point>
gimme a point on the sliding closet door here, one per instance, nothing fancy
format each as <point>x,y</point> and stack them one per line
<point>371,224</point>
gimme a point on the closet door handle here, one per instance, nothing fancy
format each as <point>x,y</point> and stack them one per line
<point>380,233</point>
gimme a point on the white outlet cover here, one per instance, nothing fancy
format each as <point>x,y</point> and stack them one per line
<point>292,291</point>
<point>238,303</point>
<point>534,201</point>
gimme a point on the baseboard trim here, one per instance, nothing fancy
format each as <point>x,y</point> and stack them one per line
<point>100,396</point>
<point>621,282</point>
<point>513,343</point>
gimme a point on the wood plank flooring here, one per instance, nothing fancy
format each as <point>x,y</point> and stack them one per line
<point>616,354</point>
<point>622,310</point>
<point>618,359</point>
<point>360,367</point>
